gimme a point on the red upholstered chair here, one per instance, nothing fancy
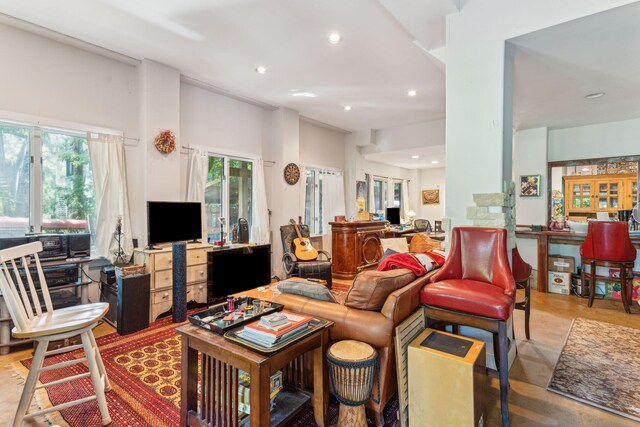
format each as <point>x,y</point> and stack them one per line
<point>475,288</point>
<point>608,245</point>
<point>522,276</point>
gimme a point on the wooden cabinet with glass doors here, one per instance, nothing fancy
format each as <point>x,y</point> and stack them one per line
<point>587,194</point>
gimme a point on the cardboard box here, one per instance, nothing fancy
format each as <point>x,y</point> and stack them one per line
<point>562,264</point>
<point>559,283</point>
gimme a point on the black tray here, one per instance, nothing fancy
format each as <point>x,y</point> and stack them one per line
<point>220,326</point>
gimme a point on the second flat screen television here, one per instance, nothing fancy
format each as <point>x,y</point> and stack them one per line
<point>393,216</point>
<point>169,222</point>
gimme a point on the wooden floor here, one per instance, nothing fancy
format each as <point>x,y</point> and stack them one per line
<point>530,403</point>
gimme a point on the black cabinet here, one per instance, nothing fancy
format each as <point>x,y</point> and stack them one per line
<point>236,269</point>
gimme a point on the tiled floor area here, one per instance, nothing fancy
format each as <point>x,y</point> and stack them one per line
<point>530,403</point>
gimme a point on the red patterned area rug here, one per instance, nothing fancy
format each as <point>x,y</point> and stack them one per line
<point>144,370</point>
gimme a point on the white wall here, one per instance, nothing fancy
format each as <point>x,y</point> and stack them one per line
<point>478,131</point>
<point>431,179</point>
<point>594,141</point>
<point>321,146</point>
<point>530,158</point>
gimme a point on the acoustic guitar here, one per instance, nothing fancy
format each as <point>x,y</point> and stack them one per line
<point>303,249</point>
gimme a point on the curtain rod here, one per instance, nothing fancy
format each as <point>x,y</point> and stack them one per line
<point>186,149</point>
<point>386,177</point>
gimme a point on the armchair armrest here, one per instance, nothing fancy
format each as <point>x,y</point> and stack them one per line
<point>401,303</point>
<point>325,253</point>
<point>349,323</point>
<point>289,262</point>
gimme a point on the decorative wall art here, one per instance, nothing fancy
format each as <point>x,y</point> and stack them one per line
<point>529,185</point>
<point>430,197</point>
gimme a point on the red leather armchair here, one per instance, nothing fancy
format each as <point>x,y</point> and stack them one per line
<point>608,245</point>
<point>475,288</point>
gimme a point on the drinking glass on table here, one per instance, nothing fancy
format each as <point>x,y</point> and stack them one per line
<point>258,306</point>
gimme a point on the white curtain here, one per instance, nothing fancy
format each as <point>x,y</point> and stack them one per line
<point>404,200</point>
<point>332,203</point>
<point>110,184</point>
<point>389,193</point>
<point>302,183</point>
<point>260,222</point>
<point>197,181</point>
<point>371,194</point>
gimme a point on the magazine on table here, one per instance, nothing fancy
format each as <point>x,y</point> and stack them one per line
<point>262,333</point>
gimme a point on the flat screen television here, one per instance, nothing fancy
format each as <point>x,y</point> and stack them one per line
<point>393,216</point>
<point>169,222</point>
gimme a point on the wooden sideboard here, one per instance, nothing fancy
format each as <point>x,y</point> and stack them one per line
<point>355,246</point>
<point>159,265</point>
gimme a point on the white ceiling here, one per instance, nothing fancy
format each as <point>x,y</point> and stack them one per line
<point>402,158</point>
<point>556,67</point>
<point>389,47</point>
<point>222,42</point>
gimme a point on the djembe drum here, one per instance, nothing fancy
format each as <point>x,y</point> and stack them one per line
<point>353,366</point>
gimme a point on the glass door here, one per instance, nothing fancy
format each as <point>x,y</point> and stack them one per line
<point>609,195</point>
<point>580,192</point>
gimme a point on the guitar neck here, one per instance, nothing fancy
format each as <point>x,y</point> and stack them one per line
<point>295,226</point>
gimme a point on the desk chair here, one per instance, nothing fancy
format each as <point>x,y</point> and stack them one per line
<point>50,325</point>
<point>475,288</point>
<point>422,226</point>
<point>608,245</point>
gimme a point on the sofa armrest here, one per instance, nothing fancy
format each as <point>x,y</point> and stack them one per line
<point>349,323</point>
<point>401,303</point>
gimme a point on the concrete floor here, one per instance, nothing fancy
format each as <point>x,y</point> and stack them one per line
<point>530,403</point>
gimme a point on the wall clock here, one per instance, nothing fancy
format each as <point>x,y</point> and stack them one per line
<point>291,174</point>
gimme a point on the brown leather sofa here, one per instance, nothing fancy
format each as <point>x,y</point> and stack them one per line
<point>373,325</point>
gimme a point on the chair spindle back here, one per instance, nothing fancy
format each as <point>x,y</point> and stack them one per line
<point>21,301</point>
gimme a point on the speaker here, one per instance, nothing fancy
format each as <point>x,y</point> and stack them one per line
<point>243,231</point>
<point>10,242</point>
<point>133,303</point>
<point>79,245</point>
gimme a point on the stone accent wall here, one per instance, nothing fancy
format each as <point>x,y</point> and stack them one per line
<point>491,210</point>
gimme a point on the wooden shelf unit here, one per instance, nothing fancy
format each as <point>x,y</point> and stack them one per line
<point>587,194</point>
<point>159,264</point>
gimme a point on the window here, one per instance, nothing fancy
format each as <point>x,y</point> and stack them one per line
<point>46,183</point>
<point>313,202</point>
<point>228,194</point>
<point>380,194</point>
<point>397,194</point>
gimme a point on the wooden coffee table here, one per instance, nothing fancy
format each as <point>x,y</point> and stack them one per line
<point>221,360</point>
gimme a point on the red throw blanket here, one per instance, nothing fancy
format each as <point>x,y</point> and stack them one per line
<point>405,260</point>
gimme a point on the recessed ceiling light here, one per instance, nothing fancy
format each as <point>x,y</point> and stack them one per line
<point>415,156</point>
<point>412,93</point>
<point>594,95</point>
<point>261,70</point>
<point>334,38</point>
<point>304,94</point>
<point>435,162</point>
<point>347,108</point>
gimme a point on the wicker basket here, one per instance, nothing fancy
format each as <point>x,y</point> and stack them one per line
<point>130,270</point>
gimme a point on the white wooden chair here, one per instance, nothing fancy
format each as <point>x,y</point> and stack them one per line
<point>48,325</point>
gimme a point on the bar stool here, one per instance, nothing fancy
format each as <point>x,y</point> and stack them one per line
<point>475,287</point>
<point>50,325</point>
<point>608,245</point>
<point>353,366</point>
<point>522,276</point>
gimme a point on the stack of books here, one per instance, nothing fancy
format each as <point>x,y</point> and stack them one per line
<point>275,328</point>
